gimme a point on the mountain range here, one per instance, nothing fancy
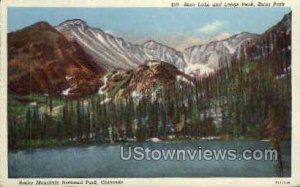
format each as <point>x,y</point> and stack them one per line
<point>73,58</point>
<point>113,52</point>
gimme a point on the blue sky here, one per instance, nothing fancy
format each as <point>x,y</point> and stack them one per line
<point>173,26</point>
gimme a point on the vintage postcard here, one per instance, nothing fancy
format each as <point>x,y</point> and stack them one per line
<point>133,93</point>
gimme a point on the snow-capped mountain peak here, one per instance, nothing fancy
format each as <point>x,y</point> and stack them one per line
<point>75,23</point>
<point>113,52</point>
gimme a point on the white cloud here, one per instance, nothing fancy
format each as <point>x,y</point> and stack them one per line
<point>180,43</point>
<point>211,27</point>
<point>221,36</point>
<point>190,41</point>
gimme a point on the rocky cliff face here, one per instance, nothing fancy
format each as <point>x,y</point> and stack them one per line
<point>275,41</point>
<point>146,78</point>
<point>41,60</point>
<point>209,57</point>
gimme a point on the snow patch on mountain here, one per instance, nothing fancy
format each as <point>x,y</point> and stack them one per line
<point>136,95</point>
<point>101,89</point>
<point>198,69</point>
<point>66,91</point>
<point>113,52</point>
<point>184,79</point>
<point>106,100</point>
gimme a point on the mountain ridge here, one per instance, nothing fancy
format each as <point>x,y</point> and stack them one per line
<point>117,49</point>
<point>75,56</point>
<point>41,60</point>
<point>197,59</point>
